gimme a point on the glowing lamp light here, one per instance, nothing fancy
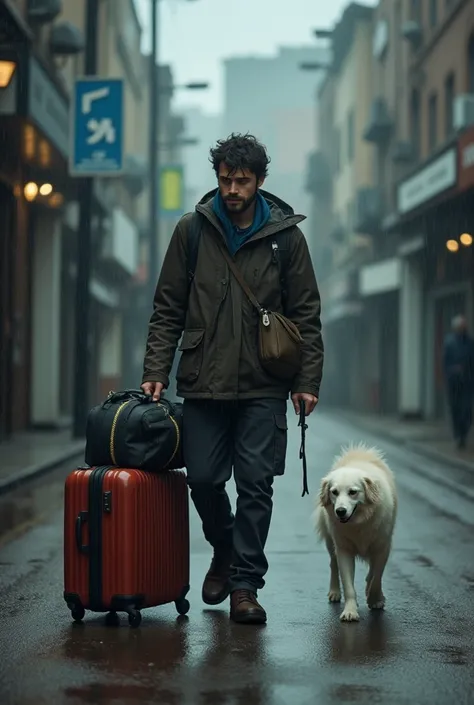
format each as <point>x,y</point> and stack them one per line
<point>452,245</point>
<point>30,191</point>
<point>466,239</point>
<point>46,189</point>
<point>7,69</point>
<point>56,200</point>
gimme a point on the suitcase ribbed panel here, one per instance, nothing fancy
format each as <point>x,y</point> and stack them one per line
<point>76,564</point>
<point>145,537</point>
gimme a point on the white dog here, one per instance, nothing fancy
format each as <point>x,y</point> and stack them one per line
<point>355,515</point>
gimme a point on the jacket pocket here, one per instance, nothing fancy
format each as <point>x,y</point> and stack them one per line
<point>280,443</point>
<point>191,355</point>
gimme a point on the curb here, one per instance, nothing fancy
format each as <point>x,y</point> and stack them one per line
<point>33,471</point>
<point>415,446</point>
<point>441,457</point>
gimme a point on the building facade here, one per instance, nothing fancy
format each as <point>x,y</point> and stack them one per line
<point>337,171</point>
<point>413,213</point>
<point>45,43</point>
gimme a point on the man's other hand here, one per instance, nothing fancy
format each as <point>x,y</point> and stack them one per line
<point>310,402</point>
<point>153,389</point>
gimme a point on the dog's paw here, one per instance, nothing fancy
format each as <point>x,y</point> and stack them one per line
<point>334,595</point>
<point>350,614</point>
<point>376,602</point>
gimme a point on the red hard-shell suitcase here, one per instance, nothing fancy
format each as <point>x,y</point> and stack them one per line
<point>126,541</point>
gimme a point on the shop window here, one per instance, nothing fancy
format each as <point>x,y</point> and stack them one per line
<point>433,13</point>
<point>470,64</point>
<point>432,122</point>
<point>449,88</point>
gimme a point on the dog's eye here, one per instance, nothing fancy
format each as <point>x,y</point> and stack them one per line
<point>334,492</point>
<point>353,492</point>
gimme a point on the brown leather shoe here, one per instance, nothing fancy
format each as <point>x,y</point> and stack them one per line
<point>215,588</point>
<point>245,609</point>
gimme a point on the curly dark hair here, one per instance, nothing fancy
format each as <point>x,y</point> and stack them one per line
<point>241,152</point>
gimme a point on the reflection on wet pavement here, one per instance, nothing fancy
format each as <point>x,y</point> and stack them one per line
<point>32,502</point>
<point>418,652</point>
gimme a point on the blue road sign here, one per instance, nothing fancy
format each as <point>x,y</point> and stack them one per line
<point>97,128</point>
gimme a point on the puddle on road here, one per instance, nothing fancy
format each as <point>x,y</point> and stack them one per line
<point>352,693</point>
<point>423,561</point>
<point>120,693</point>
<point>31,503</point>
<point>451,655</point>
<point>370,641</point>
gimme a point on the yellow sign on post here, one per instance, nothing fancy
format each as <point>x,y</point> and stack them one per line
<point>171,190</point>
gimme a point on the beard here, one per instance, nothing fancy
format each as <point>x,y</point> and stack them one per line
<point>239,205</point>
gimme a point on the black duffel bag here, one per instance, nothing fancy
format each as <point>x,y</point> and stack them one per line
<point>130,430</point>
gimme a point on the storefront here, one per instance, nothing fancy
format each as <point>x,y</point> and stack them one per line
<point>379,286</point>
<point>438,222</point>
<point>14,258</point>
<point>341,324</point>
<point>34,144</point>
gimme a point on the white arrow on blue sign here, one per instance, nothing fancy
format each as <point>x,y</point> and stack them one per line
<point>97,128</point>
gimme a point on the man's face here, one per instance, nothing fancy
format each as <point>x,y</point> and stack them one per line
<point>238,189</point>
<point>461,325</point>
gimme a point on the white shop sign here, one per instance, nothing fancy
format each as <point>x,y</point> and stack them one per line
<point>435,178</point>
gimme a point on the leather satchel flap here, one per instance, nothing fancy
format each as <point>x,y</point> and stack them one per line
<point>278,340</point>
<point>289,326</point>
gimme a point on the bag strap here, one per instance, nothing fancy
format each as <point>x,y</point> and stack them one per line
<point>304,427</point>
<point>236,272</point>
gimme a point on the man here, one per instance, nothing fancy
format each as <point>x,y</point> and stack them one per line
<point>459,374</point>
<point>234,412</point>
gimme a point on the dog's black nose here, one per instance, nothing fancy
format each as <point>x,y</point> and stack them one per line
<point>341,512</point>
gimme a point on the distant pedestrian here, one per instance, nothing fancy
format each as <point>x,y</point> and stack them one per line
<point>234,409</point>
<point>459,374</point>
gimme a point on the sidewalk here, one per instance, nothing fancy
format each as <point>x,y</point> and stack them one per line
<point>29,454</point>
<point>432,439</point>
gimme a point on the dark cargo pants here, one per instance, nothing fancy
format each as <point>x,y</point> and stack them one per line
<point>250,437</point>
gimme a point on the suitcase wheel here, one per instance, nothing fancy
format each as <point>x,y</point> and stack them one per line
<point>77,613</point>
<point>112,619</point>
<point>182,606</point>
<point>134,618</point>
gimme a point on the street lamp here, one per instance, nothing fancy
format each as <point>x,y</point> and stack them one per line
<point>154,204</point>
<point>195,86</point>
<point>323,33</point>
<point>184,142</point>
<point>314,66</point>
<point>7,69</point>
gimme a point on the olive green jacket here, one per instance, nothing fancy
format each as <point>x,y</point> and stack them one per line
<point>218,325</point>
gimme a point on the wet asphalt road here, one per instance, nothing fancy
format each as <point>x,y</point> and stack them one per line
<point>419,651</point>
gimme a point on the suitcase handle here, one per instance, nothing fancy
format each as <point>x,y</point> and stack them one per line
<point>80,521</point>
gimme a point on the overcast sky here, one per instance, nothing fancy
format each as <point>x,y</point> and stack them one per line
<point>196,35</point>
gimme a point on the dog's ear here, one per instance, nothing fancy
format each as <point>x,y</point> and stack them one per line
<point>324,498</point>
<point>372,493</point>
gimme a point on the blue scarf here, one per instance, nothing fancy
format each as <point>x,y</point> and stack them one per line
<point>234,235</point>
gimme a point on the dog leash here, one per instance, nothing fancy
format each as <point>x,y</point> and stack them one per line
<point>304,426</point>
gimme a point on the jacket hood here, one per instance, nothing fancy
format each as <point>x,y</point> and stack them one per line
<point>279,209</point>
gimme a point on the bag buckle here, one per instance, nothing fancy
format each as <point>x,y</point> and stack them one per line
<point>265,319</point>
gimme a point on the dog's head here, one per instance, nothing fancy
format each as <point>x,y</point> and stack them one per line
<point>347,489</point>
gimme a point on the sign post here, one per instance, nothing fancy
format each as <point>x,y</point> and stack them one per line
<point>97,130</point>
<point>97,149</point>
